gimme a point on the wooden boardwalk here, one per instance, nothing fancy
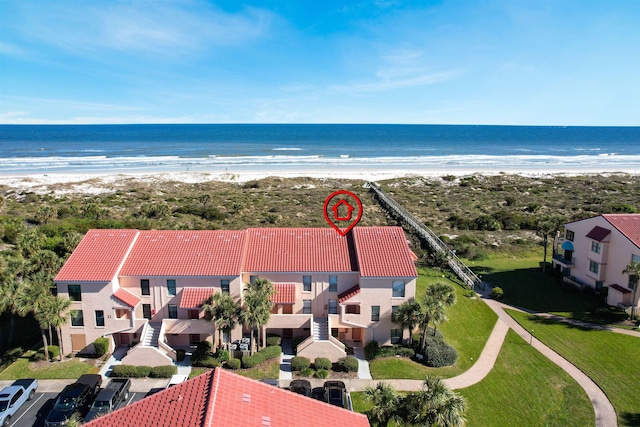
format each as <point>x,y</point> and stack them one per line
<point>457,266</point>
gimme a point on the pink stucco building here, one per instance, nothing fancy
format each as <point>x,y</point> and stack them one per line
<point>148,286</point>
<point>593,252</point>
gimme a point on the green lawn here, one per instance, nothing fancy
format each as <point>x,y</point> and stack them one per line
<point>470,324</point>
<point>527,389</point>
<point>611,360</point>
<point>266,370</point>
<point>23,368</point>
<point>525,286</point>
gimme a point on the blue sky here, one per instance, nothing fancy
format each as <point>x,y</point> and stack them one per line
<point>563,62</point>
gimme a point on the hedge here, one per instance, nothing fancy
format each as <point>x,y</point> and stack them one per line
<point>232,364</point>
<point>130,371</point>
<point>101,346</point>
<point>322,374</point>
<point>299,363</point>
<point>222,355</point>
<point>348,364</point>
<point>261,356</point>
<point>206,362</point>
<point>373,350</point>
<point>322,363</point>
<point>163,371</point>
<point>274,340</point>
<point>439,354</point>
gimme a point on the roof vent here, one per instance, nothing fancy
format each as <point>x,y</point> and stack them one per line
<point>266,421</point>
<point>246,397</point>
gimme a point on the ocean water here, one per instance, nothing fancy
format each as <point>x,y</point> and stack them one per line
<point>35,149</point>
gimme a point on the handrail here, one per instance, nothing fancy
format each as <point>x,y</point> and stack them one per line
<point>459,268</point>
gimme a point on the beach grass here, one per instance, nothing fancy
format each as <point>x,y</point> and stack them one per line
<point>611,360</point>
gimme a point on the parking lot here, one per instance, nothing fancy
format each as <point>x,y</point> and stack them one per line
<point>35,411</point>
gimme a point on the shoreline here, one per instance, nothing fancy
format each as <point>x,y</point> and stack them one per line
<point>106,180</point>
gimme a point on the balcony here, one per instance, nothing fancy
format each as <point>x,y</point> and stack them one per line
<point>560,259</point>
<point>292,321</point>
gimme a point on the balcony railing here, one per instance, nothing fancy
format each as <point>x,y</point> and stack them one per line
<point>562,260</point>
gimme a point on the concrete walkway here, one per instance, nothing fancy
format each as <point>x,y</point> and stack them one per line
<point>285,360</point>
<point>364,373</point>
<point>115,359</point>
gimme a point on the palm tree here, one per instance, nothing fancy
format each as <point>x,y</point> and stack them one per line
<point>434,302</point>
<point>435,404</point>
<point>385,403</point>
<point>408,316</point>
<point>32,297</point>
<point>633,270</point>
<point>223,311</point>
<point>257,306</point>
<point>56,314</point>
<point>547,226</point>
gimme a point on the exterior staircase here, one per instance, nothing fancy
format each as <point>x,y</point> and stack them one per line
<point>152,334</point>
<point>321,329</point>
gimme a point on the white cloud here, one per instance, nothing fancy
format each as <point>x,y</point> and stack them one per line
<point>141,28</point>
<point>396,79</point>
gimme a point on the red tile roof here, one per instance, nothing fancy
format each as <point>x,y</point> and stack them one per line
<point>598,233</point>
<point>186,253</point>
<point>98,256</point>
<point>223,399</point>
<point>193,297</point>
<point>285,293</point>
<point>126,297</point>
<point>627,224</point>
<point>297,250</point>
<point>383,252</point>
<point>620,289</point>
<point>351,292</point>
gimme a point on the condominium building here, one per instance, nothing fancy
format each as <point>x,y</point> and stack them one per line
<point>594,252</point>
<point>148,286</point>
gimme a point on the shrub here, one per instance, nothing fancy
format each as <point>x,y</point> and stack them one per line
<point>207,362</point>
<point>371,350</point>
<point>439,354</point>
<point>348,364</point>
<point>101,346</point>
<point>130,371</point>
<point>405,352</point>
<point>387,351</point>
<point>163,371</point>
<point>274,340</point>
<point>232,364</point>
<point>299,363</point>
<point>322,363</point>
<point>54,351</point>
<point>180,354</point>
<point>222,355</point>
<point>306,372</point>
<point>497,293</point>
<point>322,374</point>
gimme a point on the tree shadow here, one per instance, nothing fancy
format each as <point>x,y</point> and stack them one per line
<point>631,419</point>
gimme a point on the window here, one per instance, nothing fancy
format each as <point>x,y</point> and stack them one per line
<point>398,289</point>
<point>599,285</point>
<point>375,313</point>
<point>252,279</point>
<point>352,309</point>
<point>333,306</point>
<point>194,314</point>
<point>595,247</point>
<point>396,336</point>
<point>173,311</point>
<point>144,286</point>
<point>75,294</point>
<point>633,281</point>
<point>14,399</point>
<point>568,234</point>
<point>171,286</point>
<point>99,318</point>
<point>306,282</point>
<point>224,285</point>
<point>394,309</point>
<point>333,283</point>
<point>76,318</point>
<point>306,306</point>
<point>334,332</point>
<point>146,311</point>
<point>594,267</point>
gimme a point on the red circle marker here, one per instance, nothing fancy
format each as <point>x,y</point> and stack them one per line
<point>343,210</point>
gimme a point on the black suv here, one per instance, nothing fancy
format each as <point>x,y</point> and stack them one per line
<point>302,387</point>
<point>335,393</point>
<point>76,397</point>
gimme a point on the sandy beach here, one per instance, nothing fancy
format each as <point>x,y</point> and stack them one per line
<point>105,181</point>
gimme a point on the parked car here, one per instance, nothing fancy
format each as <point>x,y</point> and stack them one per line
<point>14,396</point>
<point>177,379</point>
<point>109,398</point>
<point>74,398</point>
<point>335,393</point>
<point>302,387</point>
